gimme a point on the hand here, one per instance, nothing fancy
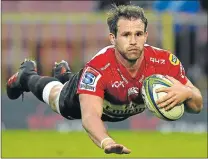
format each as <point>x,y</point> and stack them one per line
<point>176,94</point>
<point>116,148</point>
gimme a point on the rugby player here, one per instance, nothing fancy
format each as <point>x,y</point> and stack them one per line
<point>108,87</point>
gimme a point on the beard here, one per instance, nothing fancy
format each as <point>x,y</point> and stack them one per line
<point>125,54</point>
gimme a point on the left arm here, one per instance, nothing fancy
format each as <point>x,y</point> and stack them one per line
<point>182,90</point>
<point>194,102</point>
<point>179,93</point>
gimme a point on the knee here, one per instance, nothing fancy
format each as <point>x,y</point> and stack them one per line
<point>54,97</point>
<point>54,92</point>
<point>51,93</point>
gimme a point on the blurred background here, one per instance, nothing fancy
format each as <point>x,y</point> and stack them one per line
<point>49,31</point>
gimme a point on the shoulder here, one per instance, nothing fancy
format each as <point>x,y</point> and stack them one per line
<point>102,58</point>
<point>155,51</point>
<point>154,54</point>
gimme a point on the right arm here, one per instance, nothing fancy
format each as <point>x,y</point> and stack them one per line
<point>91,109</point>
<point>91,104</point>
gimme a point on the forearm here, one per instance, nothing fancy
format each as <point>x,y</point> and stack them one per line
<point>96,129</point>
<point>93,139</point>
<point>104,143</point>
<point>194,103</point>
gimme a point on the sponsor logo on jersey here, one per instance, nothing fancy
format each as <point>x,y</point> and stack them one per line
<point>89,79</point>
<point>133,90</point>
<point>173,60</point>
<point>133,94</point>
<point>118,84</point>
<point>155,60</point>
<point>106,66</point>
<point>114,110</point>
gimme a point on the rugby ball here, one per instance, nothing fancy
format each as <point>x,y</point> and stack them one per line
<point>150,84</point>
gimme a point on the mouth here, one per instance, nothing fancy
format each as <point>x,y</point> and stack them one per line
<point>133,49</point>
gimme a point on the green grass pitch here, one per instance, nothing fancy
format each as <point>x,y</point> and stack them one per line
<point>77,144</point>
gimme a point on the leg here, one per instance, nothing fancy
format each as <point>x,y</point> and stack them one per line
<point>36,84</point>
<point>46,89</point>
<point>51,94</point>
<point>26,80</point>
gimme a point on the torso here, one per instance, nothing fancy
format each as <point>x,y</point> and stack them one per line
<point>121,92</point>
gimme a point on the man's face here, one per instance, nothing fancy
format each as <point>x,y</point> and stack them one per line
<point>130,38</point>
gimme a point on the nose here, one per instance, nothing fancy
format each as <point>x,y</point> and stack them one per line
<point>133,40</point>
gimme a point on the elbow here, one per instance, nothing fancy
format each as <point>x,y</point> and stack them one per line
<point>199,108</point>
<point>197,111</point>
<point>194,109</point>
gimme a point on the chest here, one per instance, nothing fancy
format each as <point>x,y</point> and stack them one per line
<point>122,90</point>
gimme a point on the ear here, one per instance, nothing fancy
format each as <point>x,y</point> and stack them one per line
<point>112,38</point>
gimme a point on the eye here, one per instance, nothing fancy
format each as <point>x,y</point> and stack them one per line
<point>139,34</point>
<point>126,34</point>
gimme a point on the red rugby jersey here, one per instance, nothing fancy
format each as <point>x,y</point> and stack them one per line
<point>103,76</point>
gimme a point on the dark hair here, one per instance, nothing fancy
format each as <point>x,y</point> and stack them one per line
<point>128,12</point>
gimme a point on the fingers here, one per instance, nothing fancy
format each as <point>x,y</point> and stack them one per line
<point>126,150</point>
<point>164,99</point>
<point>173,104</point>
<point>167,89</point>
<point>116,148</point>
<point>162,89</point>
<point>166,102</point>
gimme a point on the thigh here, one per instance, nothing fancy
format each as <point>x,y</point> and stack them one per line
<point>68,101</point>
